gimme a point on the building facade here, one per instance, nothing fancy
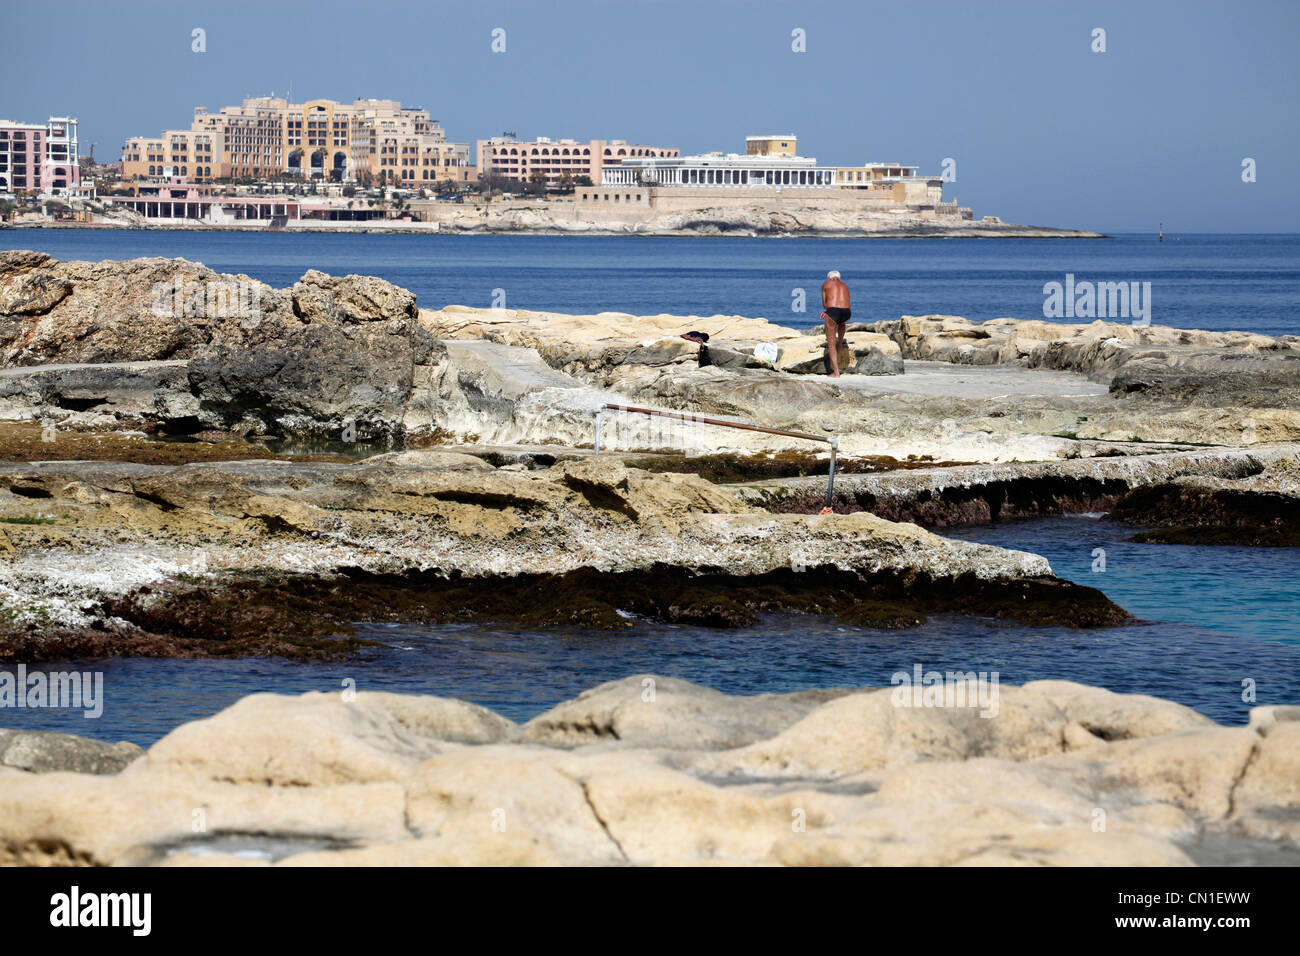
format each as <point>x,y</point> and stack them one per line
<point>719,169</point>
<point>771,146</point>
<point>39,158</point>
<point>268,137</point>
<point>769,162</point>
<point>513,160</point>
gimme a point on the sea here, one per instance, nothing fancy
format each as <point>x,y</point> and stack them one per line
<point>1221,282</point>
<point>1215,628</point>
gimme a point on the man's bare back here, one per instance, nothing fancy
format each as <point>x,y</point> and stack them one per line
<point>835,306</point>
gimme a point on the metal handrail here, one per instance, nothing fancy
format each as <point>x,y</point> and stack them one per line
<point>747,426</point>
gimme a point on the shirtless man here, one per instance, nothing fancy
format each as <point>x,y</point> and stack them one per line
<point>835,302</point>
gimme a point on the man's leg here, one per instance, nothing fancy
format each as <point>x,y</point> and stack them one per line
<point>832,344</point>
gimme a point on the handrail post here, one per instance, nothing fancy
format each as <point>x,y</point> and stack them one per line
<point>600,417</point>
<point>830,483</point>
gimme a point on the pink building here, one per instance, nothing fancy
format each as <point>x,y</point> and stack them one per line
<point>37,158</point>
<point>181,202</point>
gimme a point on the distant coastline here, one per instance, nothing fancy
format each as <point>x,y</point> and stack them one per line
<point>930,230</point>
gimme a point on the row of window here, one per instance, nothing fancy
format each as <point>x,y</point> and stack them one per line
<point>564,151</point>
<point>184,170</point>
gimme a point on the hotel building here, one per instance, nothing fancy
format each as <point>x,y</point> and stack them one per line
<point>267,137</point>
<point>506,157</point>
<point>39,158</point>
<point>718,169</point>
<point>769,174</point>
<point>771,163</point>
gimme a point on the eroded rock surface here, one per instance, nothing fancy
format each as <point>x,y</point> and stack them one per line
<point>1243,387</point>
<point>1258,509</point>
<point>1142,489</point>
<point>41,751</point>
<point>172,342</point>
<point>275,556</point>
<point>652,771</point>
<point>114,344</point>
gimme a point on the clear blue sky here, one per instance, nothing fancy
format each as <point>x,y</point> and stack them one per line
<point>1043,130</point>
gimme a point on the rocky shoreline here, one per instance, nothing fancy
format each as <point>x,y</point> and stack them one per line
<point>184,478</point>
<point>140,401</point>
<point>651,770</point>
<point>716,223</point>
<point>230,558</point>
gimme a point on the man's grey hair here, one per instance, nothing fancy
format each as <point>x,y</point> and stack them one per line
<point>833,274</point>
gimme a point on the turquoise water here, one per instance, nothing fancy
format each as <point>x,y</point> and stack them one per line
<point>1251,593</point>
<point>1197,281</point>
<point>1209,618</point>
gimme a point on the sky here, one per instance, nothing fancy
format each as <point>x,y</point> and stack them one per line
<point>1041,128</point>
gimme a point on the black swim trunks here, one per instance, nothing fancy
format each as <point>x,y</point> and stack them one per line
<point>839,315</point>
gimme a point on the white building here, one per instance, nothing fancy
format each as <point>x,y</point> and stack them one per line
<point>718,169</point>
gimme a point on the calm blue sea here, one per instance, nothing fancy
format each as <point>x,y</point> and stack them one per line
<point>1197,281</point>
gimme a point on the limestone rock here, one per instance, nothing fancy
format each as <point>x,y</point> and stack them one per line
<point>694,777</point>
<point>319,739</point>
<point>44,752</point>
<point>663,712</point>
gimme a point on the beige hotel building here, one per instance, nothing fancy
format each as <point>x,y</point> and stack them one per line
<point>268,136</point>
<point>509,158</point>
